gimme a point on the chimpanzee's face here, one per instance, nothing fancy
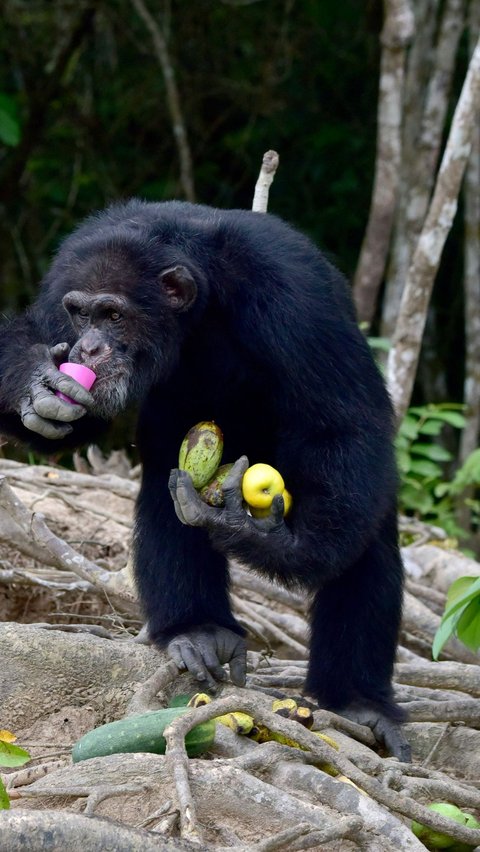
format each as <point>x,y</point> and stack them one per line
<point>126,327</point>
<point>107,335</point>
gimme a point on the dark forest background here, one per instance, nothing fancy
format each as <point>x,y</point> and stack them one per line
<point>300,77</point>
<point>84,121</point>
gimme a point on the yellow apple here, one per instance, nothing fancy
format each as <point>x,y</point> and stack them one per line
<point>287,501</point>
<point>260,484</point>
<point>265,513</point>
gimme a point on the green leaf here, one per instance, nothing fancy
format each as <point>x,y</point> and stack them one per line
<point>415,500</point>
<point>465,598</point>
<point>451,417</point>
<point>441,489</point>
<point>468,474</point>
<point>403,461</point>
<point>409,427</point>
<point>382,343</point>
<point>9,129</point>
<point>468,626</point>
<point>431,427</point>
<point>9,123</point>
<point>12,755</point>
<point>434,452</point>
<point>445,630</point>
<point>423,467</point>
<point>4,800</point>
<point>458,590</point>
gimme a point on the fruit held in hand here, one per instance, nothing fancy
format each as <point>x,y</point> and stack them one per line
<point>83,375</point>
<point>212,492</point>
<point>435,839</point>
<point>201,452</point>
<point>260,484</point>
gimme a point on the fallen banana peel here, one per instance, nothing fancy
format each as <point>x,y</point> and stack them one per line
<point>345,780</point>
<point>199,699</point>
<point>281,704</point>
<point>244,725</point>
<point>239,723</point>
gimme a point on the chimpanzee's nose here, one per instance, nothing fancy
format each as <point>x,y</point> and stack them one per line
<point>92,344</point>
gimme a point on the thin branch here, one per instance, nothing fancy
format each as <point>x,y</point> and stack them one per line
<point>265,179</point>
<point>173,99</point>
<point>43,95</point>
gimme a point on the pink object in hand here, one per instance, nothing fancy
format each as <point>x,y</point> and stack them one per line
<point>83,375</point>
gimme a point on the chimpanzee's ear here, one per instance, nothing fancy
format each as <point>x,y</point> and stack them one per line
<point>179,287</point>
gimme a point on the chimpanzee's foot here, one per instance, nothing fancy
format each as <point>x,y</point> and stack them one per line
<point>387,731</point>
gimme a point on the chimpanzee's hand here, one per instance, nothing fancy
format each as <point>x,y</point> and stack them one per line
<point>232,519</point>
<point>40,409</point>
<point>204,650</point>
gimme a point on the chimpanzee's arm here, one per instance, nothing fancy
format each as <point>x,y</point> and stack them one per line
<point>183,587</point>
<point>315,549</point>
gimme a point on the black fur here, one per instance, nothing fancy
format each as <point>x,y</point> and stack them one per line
<point>271,351</point>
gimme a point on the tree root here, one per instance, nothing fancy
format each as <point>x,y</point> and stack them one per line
<point>320,751</point>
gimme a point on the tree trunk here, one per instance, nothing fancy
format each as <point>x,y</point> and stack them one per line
<point>396,34</point>
<point>403,356</point>
<point>423,164</point>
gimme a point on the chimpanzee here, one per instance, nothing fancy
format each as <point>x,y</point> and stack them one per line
<point>232,316</point>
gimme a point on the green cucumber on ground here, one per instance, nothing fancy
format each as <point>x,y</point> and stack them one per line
<point>180,700</point>
<point>141,733</point>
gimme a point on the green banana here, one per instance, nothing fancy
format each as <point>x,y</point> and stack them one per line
<point>201,452</point>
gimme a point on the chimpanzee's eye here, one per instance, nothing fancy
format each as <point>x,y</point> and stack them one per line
<point>115,316</point>
<point>82,313</point>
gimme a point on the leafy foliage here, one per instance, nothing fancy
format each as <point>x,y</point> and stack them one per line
<point>10,755</point>
<point>425,493</point>
<point>422,461</point>
<point>462,615</point>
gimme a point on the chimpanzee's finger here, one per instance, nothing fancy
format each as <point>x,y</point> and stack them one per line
<point>193,509</point>
<point>395,741</point>
<point>58,381</point>
<point>46,404</point>
<point>275,519</point>
<point>172,487</point>
<point>60,352</point>
<point>212,662</point>
<point>238,665</point>
<point>195,664</point>
<point>232,489</point>
<point>45,428</point>
<point>175,653</point>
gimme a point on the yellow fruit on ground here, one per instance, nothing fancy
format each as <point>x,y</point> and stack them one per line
<point>239,723</point>
<point>199,699</point>
<point>288,704</point>
<point>260,484</point>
